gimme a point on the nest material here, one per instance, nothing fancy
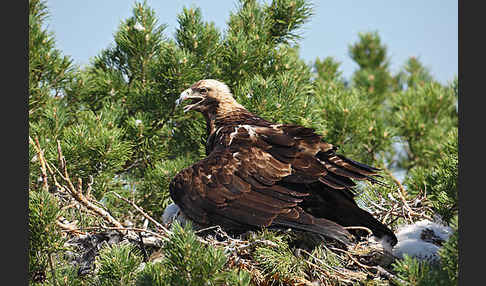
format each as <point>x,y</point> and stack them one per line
<point>363,261</point>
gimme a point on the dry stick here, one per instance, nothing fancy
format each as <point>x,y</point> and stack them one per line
<point>410,212</point>
<point>237,243</point>
<point>68,206</point>
<point>397,213</point>
<point>389,275</point>
<point>90,184</point>
<point>322,262</point>
<point>40,155</point>
<point>402,193</point>
<point>359,227</point>
<point>60,157</point>
<point>352,258</point>
<point>69,228</point>
<point>158,235</point>
<point>140,210</point>
<point>332,268</point>
<point>264,242</point>
<point>208,228</point>
<point>388,213</point>
<point>76,194</point>
<point>43,162</point>
<point>85,202</point>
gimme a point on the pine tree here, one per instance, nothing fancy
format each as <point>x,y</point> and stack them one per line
<point>49,73</point>
<point>111,130</point>
<point>373,75</point>
<point>49,70</point>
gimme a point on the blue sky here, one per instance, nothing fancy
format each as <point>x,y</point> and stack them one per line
<point>424,29</point>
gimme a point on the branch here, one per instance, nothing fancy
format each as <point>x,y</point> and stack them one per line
<point>402,193</point>
<point>141,211</point>
<point>76,193</point>
<point>40,155</point>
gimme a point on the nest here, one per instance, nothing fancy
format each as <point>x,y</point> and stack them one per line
<point>365,260</point>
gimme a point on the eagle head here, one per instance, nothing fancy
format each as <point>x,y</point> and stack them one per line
<point>209,96</point>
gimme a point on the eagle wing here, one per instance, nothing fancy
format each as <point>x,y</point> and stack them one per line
<point>239,192</point>
<point>261,176</point>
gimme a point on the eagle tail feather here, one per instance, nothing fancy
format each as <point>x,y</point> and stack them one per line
<point>337,206</point>
<point>321,226</point>
<point>359,165</point>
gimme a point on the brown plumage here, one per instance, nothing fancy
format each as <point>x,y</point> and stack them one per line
<point>259,174</point>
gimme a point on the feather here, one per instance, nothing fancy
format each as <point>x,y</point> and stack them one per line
<point>278,139</point>
<point>260,174</point>
<point>277,195</point>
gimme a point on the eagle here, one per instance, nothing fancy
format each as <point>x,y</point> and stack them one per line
<point>258,174</point>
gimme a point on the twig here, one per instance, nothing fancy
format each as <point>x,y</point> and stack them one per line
<point>101,212</point>
<point>360,228</point>
<point>208,228</point>
<point>323,263</point>
<point>69,228</point>
<point>141,211</point>
<point>352,258</point>
<point>264,242</point>
<point>40,155</point>
<point>389,275</point>
<point>401,193</point>
<point>126,229</point>
<point>75,193</point>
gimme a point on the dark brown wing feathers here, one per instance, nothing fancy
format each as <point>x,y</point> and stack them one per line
<point>274,176</point>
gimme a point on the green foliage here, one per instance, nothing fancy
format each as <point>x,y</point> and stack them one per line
<point>137,41</point>
<point>414,74</point>
<point>328,71</point>
<point>197,37</point>
<point>256,41</point>
<point>369,52</point>
<point>449,254</point>
<point>67,275</point>
<point>152,275</point>
<point>237,277</point>
<point>118,264</point>
<point>278,263</point>
<point>189,262</point>
<point>423,116</point>
<point>440,181</point>
<point>49,70</point>
<point>284,18</point>
<point>155,274</point>
<point>117,125</point>
<point>94,147</point>
<point>282,98</point>
<point>45,237</point>
<point>343,116</point>
<point>152,193</point>
<point>373,75</point>
<point>412,271</point>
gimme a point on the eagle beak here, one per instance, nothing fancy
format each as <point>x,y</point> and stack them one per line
<point>188,94</point>
<point>184,95</point>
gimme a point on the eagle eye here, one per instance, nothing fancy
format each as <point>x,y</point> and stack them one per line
<point>203,90</point>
